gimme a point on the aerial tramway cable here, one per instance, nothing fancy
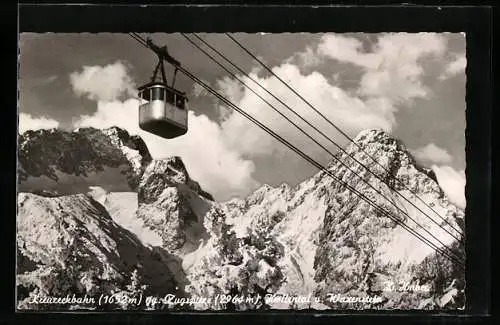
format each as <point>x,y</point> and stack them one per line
<point>335,126</point>
<point>312,126</point>
<point>384,212</point>
<point>313,162</point>
<point>323,147</point>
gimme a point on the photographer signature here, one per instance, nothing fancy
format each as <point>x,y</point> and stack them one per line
<point>406,287</point>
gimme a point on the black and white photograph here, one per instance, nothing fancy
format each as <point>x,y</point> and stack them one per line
<point>241,171</point>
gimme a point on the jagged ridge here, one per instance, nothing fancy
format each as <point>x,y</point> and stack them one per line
<point>56,155</point>
<point>70,245</point>
<point>317,237</point>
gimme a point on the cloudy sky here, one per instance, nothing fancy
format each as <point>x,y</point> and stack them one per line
<point>412,85</point>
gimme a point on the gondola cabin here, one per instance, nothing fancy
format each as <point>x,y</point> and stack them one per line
<point>163,110</point>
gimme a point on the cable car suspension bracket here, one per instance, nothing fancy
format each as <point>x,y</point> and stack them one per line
<point>163,55</point>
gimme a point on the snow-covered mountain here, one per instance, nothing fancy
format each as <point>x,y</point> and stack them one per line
<point>71,245</point>
<point>103,189</point>
<point>67,162</point>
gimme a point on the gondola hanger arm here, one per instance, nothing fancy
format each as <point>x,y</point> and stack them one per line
<point>162,53</point>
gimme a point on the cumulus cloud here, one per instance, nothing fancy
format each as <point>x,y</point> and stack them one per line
<point>433,153</point>
<point>455,67</point>
<point>393,68</point>
<point>346,49</point>
<point>219,170</point>
<point>307,58</point>
<point>333,102</point>
<point>104,83</point>
<point>452,182</point>
<point>28,122</point>
<point>391,75</point>
<point>351,113</point>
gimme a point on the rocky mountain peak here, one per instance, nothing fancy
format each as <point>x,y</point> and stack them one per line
<point>373,135</point>
<point>384,142</point>
<point>313,238</point>
<point>163,173</point>
<point>387,158</point>
<point>379,142</point>
<point>57,159</point>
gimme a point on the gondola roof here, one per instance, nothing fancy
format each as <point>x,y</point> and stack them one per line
<point>158,83</point>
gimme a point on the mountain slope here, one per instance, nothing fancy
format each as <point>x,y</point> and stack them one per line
<point>334,242</point>
<point>359,243</point>
<point>69,162</point>
<point>315,239</point>
<point>70,245</point>
<point>172,204</point>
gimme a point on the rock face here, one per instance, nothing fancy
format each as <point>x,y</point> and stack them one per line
<point>327,240</point>
<point>171,203</point>
<point>70,161</point>
<point>315,239</point>
<point>362,249</point>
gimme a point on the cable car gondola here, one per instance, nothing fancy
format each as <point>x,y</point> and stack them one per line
<point>164,109</point>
